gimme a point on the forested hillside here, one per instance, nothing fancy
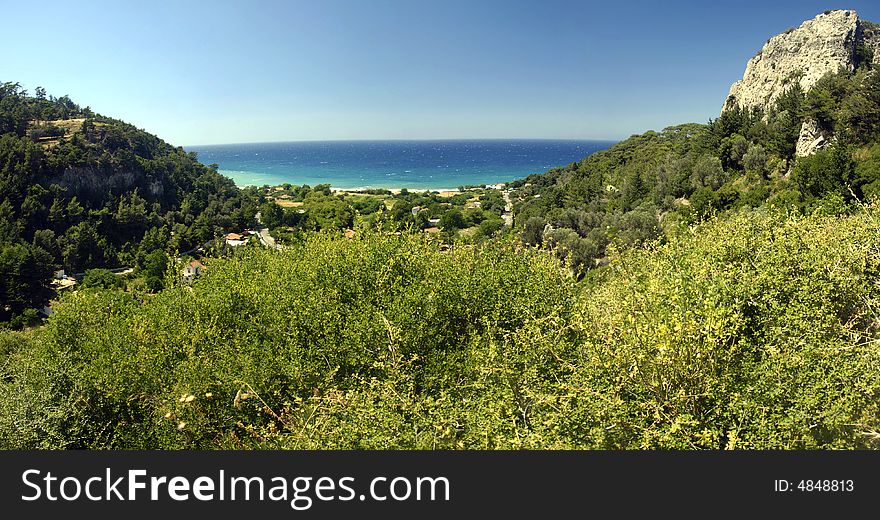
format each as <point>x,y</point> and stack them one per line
<point>632,192</point>
<point>79,190</point>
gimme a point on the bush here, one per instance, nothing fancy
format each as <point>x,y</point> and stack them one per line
<point>283,348</point>
<point>826,171</point>
<point>753,331</point>
<point>101,278</point>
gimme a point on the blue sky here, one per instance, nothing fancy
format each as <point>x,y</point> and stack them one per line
<point>225,72</point>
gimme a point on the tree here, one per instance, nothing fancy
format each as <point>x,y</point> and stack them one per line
<point>46,239</point>
<point>638,226</point>
<point>271,215</point>
<point>634,190</point>
<point>24,274</point>
<point>10,227</point>
<point>155,266</point>
<point>489,227</point>
<point>831,170</point>
<point>101,278</point>
<point>533,231</point>
<point>83,246</point>
<point>452,220</point>
<point>733,149</point>
<point>577,253</point>
<point>755,159</point>
<point>785,122</point>
<point>673,178</point>
<point>707,172</point>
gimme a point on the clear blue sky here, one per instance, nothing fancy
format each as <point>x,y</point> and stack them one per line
<point>224,72</point>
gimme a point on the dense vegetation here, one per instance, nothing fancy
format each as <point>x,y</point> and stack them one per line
<point>289,210</point>
<point>79,190</point>
<point>755,330</point>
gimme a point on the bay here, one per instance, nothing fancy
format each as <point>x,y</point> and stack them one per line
<point>445,164</point>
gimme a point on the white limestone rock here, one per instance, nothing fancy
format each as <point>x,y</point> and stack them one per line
<point>821,45</point>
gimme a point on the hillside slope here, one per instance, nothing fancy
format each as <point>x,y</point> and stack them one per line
<point>79,190</point>
<point>779,140</point>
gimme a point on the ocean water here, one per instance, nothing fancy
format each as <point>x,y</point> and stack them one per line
<point>392,164</point>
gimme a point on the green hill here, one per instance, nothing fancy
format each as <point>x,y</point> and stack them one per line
<point>652,182</point>
<point>79,190</point>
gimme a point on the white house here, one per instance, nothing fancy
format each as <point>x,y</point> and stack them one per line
<point>235,240</point>
<point>192,271</point>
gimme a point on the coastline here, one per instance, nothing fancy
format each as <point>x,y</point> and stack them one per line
<point>395,190</point>
<point>443,192</point>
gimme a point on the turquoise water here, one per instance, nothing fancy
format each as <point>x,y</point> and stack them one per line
<point>392,164</point>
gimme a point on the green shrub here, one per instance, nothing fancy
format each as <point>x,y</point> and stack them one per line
<point>101,278</point>
<point>756,330</point>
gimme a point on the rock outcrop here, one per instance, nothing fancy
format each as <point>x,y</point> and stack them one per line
<point>91,183</point>
<point>812,138</point>
<point>821,45</point>
<point>827,43</point>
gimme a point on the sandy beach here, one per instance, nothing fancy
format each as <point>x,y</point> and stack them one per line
<point>443,192</point>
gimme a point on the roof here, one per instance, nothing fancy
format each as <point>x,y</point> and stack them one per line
<point>350,233</point>
<point>196,263</point>
<point>432,230</point>
<point>233,236</point>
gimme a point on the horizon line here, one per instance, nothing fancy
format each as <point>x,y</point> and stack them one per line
<point>375,140</point>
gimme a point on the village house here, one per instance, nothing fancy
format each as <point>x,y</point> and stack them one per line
<point>192,271</point>
<point>235,239</point>
<point>60,280</point>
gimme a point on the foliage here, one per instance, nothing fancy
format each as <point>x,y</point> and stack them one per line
<point>101,278</point>
<point>319,330</point>
<point>155,266</point>
<point>827,171</point>
<point>756,330</point>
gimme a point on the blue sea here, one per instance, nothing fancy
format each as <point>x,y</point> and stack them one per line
<point>392,164</point>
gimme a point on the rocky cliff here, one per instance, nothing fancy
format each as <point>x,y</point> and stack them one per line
<point>827,43</point>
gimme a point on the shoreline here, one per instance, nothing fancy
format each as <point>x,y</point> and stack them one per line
<point>444,192</point>
<point>396,191</point>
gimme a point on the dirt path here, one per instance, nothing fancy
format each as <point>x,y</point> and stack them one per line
<point>507,215</point>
